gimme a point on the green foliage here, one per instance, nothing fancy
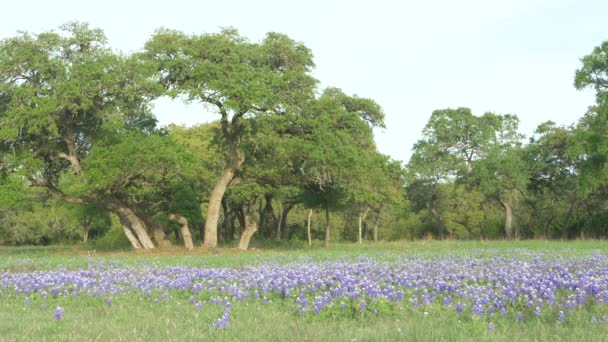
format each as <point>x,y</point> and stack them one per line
<point>75,120</point>
<point>224,68</point>
<point>464,217</point>
<point>114,239</point>
<point>594,72</point>
<point>42,221</point>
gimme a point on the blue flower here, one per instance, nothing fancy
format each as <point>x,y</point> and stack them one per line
<point>362,305</point>
<point>59,313</point>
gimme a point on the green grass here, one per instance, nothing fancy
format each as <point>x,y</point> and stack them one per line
<point>129,319</point>
<point>21,259</point>
<point>132,318</point>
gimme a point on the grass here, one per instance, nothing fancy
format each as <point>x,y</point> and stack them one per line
<point>132,318</point>
<point>21,259</point>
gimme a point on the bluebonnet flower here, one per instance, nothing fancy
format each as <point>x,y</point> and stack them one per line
<point>59,313</point>
<point>491,326</point>
<point>224,321</point>
<point>488,286</point>
<point>362,305</point>
<point>477,309</point>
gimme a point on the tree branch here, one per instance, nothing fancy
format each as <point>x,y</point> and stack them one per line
<point>63,195</point>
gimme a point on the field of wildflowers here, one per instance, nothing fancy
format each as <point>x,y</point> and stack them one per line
<point>369,296</point>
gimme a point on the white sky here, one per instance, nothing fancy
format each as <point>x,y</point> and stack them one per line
<point>412,57</point>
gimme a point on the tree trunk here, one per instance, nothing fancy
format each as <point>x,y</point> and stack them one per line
<point>240,215</point>
<point>72,155</point>
<point>136,224</point>
<point>327,226</point>
<point>279,223</point>
<point>85,235</point>
<point>132,239</point>
<point>376,231</point>
<point>546,226</point>
<point>308,229</point>
<point>282,219</point>
<point>508,218</point>
<point>160,237</point>
<point>567,221</point>
<point>438,221</point>
<point>361,219</point>
<point>215,202</point>
<point>360,228</point>
<point>262,220</point>
<point>185,231</point>
<point>86,224</point>
<point>376,223</point>
<point>225,223</point>
<point>232,227</point>
<point>267,212</point>
<point>157,231</point>
<point>250,228</point>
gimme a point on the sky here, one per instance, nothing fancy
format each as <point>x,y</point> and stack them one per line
<point>412,57</point>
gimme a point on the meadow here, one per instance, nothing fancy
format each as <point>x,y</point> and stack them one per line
<point>414,291</point>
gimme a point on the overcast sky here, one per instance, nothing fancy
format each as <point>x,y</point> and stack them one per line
<point>412,57</point>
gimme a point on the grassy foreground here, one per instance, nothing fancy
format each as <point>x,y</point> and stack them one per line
<point>139,318</point>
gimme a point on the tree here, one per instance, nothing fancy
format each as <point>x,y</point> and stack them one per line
<point>390,186</point>
<point>502,176</point>
<point>453,141</point>
<point>591,131</point>
<point>589,142</point>
<point>146,189</point>
<point>239,80</point>
<point>331,153</point>
<point>62,93</point>
<point>554,168</point>
<point>594,72</point>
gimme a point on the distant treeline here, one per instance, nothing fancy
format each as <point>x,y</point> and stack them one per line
<point>82,157</point>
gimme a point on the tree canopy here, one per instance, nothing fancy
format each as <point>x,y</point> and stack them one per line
<point>82,158</point>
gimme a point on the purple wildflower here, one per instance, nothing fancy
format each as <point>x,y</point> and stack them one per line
<point>59,313</point>
<point>362,305</point>
<point>224,321</point>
